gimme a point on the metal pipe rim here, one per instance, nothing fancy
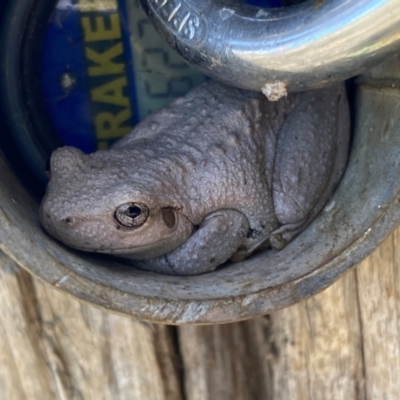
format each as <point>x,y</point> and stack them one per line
<point>301,47</point>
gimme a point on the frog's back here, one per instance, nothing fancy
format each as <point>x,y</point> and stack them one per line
<point>221,142</point>
<point>224,148</point>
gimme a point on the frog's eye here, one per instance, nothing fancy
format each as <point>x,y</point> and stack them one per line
<point>131,215</point>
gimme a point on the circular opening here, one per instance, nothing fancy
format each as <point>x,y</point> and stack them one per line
<point>363,210</point>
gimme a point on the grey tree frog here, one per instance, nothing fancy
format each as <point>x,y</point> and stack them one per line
<point>215,176</point>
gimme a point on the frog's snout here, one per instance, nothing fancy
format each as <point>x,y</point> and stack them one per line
<point>52,222</point>
<point>67,228</point>
<point>68,220</point>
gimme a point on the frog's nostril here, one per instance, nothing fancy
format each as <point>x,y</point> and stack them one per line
<point>68,220</point>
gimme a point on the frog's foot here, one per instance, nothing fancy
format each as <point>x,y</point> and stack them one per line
<point>217,238</point>
<point>159,264</point>
<point>281,236</point>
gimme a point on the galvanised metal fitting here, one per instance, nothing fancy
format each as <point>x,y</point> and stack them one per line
<point>294,48</point>
<point>363,211</point>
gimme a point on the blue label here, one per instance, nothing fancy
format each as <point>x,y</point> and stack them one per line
<point>104,68</point>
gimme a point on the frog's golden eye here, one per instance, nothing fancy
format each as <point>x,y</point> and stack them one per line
<point>131,215</point>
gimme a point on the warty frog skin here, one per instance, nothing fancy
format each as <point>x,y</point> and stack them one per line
<point>217,175</point>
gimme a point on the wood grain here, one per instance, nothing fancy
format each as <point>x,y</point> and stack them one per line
<point>53,347</point>
<point>340,344</point>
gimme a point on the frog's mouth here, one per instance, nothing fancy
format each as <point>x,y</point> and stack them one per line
<point>141,252</point>
<point>94,236</point>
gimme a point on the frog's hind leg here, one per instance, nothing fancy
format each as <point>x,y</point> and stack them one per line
<point>311,155</point>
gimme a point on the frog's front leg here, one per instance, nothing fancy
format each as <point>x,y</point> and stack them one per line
<point>217,238</point>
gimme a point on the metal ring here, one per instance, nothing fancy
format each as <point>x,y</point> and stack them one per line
<point>294,48</point>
